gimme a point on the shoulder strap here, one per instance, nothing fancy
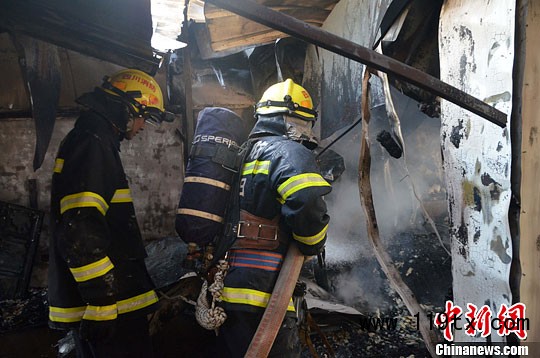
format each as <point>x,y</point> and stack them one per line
<point>232,214</point>
<point>226,155</point>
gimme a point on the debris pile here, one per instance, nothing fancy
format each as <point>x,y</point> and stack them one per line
<point>350,338</point>
<point>385,327</point>
<point>18,314</point>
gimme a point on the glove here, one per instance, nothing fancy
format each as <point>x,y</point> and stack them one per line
<point>98,331</point>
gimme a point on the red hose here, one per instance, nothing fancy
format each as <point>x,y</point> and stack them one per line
<point>277,305</point>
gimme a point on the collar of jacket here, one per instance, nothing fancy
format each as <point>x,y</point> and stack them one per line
<point>108,107</point>
<point>269,126</point>
<point>276,126</point>
<point>92,122</point>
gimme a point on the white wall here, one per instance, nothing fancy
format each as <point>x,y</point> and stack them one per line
<point>476,43</point>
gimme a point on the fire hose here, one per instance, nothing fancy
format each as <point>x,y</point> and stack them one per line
<point>268,328</point>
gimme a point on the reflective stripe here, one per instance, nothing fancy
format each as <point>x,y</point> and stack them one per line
<point>101,313</point>
<point>137,302</point>
<point>122,196</point>
<point>255,259</point>
<point>256,167</point>
<point>58,165</point>
<point>201,214</point>
<point>299,182</point>
<point>249,297</point>
<point>97,313</point>
<point>84,199</point>
<point>208,181</point>
<point>311,240</point>
<point>66,315</point>
<point>93,270</point>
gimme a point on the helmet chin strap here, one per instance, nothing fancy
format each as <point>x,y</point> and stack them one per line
<point>115,126</point>
<point>287,103</point>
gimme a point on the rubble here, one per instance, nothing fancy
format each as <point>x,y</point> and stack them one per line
<point>23,313</point>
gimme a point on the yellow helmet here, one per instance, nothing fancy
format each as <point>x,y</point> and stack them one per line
<point>141,92</point>
<point>287,97</point>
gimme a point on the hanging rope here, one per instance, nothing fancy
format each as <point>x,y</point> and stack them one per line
<point>208,315</point>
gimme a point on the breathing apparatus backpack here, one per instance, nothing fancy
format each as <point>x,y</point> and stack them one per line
<point>211,180</point>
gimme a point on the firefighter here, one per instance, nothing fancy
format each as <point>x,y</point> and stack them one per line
<point>281,199</point>
<point>99,286</point>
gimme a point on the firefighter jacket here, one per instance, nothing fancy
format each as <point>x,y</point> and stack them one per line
<point>280,181</point>
<point>96,270</point>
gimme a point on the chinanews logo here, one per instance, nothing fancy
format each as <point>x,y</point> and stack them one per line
<point>481,321</point>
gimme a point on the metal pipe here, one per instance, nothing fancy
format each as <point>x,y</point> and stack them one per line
<point>355,52</point>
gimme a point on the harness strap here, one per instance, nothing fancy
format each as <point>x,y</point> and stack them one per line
<point>226,155</point>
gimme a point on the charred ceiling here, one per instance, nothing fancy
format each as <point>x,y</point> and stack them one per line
<point>116,31</point>
<point>229,47</point>
<point>409,34</point>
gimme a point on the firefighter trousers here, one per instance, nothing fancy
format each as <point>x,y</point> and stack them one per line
<point>239,328</point>
<point>132,340</point>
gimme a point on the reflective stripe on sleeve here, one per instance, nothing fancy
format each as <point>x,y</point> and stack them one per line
<point>299,182</point>
<point>93,270</point>
<point>83,200</point>
<point>137,302</point>
<point>256,167</point>
<point>249,297</point>
<point>311,240</point>
<point>208,181</point>
<point>66,315</point>
<point>58,165</point>
<point>122,196</point>
<point>201,214</point>
<point>101,313</point>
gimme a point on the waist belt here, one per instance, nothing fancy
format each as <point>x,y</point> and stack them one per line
<point>255,232</point>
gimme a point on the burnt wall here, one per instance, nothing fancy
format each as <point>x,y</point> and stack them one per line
<point>153,162</point>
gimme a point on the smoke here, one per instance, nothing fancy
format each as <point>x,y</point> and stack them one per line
<point>356,276</point>
<point>367,294</point>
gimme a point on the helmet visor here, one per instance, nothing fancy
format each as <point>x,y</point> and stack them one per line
<point>155,117</point>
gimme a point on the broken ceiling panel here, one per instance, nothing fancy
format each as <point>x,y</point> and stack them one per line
<point>79,73</point>
<point>412,38</point>
<point>13,95</point>
<point>276,62</point>
<point>116,31</point>
<point>41,71</point>
<point>227,32</point>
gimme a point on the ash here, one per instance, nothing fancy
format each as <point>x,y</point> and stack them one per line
<point>360,283</point>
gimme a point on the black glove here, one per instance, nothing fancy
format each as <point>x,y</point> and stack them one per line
<point>98,331</point>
